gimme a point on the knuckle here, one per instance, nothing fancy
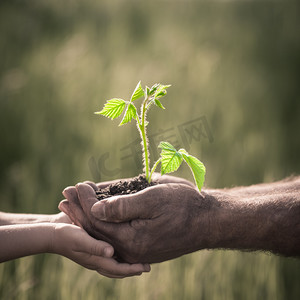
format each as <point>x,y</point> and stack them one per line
<point>137,223</point>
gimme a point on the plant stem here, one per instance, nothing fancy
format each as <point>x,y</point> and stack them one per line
<point>144,138</point>
<point>153,168</point>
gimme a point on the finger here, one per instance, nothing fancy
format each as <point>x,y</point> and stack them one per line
<point>76,212</point>
<point>116,276</point>
<point>105,231</point>
<point>107,274</point>
<point>64,206</point>
<point>112,233</point>
<point>94,247</point>
<point>96,228</point>
<point>82,216</point>
<point>128,207</point>
<point>71,194</point>
<point>92,184</point>
<point>124,273</point>
<point>111,267</point>
<point>87,197</point>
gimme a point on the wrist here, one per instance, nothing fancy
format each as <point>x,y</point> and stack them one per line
<point>218,222</point>
<point>57,237</point>
<point>227,229</point>
<point>232,223</point>
<point>203,214</point>
<point>45,235</point>
<point>237,223</point>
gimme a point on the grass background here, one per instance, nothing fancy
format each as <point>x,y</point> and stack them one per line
<point>236,63</point>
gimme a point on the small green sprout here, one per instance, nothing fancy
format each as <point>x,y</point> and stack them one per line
<point>170,159</point>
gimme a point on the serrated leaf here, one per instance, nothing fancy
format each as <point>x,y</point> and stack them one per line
<point>137,93</point>
<point>113,108</point>
<point>196,166</point>
<point>129,114</point>
<point>166,146</point>
<point>158,103</point>
<point>170,158</point>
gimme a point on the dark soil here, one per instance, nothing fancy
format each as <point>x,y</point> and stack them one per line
<point>124,187</point>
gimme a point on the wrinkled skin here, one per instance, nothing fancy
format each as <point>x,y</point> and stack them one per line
<point>171,219</point>
<point>153,225</point>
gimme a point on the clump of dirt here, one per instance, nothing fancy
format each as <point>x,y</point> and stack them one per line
<point>124,187</point>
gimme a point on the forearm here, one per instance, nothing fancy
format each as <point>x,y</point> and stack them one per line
<point>12,219</point>
<point>23,240</point>
<point>257,218</point>
<point>290,184</point>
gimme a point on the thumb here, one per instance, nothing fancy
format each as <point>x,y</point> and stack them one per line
<point>126,207</point>
<point>96,247</point>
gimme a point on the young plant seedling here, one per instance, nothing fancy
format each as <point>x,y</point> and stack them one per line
<point>170,159</point>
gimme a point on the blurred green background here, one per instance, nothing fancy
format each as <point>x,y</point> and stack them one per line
<point>233,64</point>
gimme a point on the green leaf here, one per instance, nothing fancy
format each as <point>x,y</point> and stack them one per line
<point>129,114</point>
<point>161,94</point>
<point>161,91</point>
<point>113,108</point>
<point>196,166</point>
<point>153,89</point>
<point>158,103</point>
<point>170,158</point>
<point>166,146</point>
<point>147,91</point>
<point>137,93</point>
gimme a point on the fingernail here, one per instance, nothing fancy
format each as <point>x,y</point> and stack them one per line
<point>108,252</point>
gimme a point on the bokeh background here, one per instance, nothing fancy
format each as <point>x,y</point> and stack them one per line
<point>234,67</point>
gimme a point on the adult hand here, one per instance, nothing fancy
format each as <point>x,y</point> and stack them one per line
<point>156,224</point>
<point>169,220</point>
<point>74,243</point>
